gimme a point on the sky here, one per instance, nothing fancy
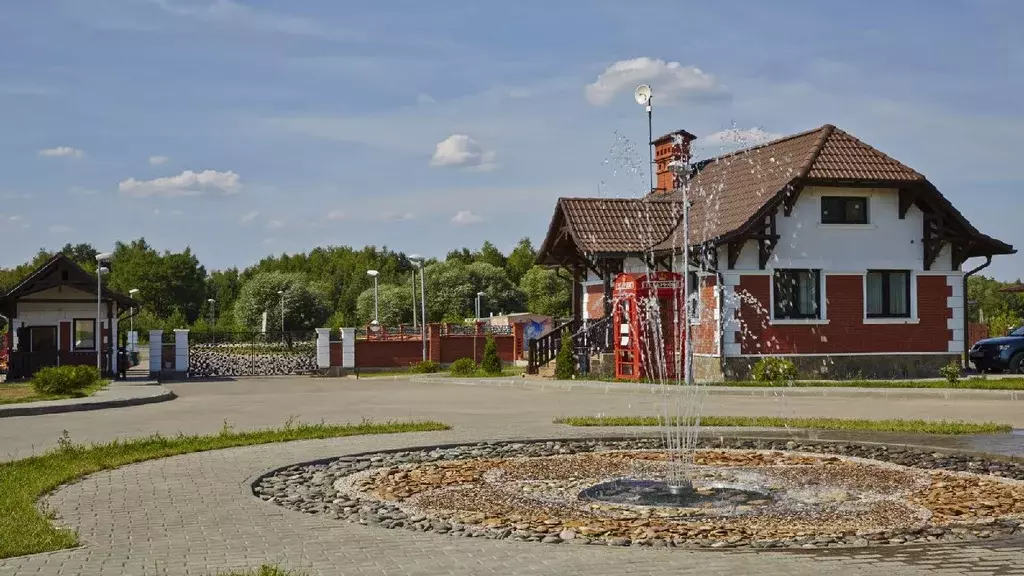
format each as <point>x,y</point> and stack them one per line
<point>244,128</point>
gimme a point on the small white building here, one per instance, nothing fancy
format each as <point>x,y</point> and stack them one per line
<point>55,319</point>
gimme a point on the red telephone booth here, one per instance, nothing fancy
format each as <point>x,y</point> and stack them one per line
<point>648,324</point>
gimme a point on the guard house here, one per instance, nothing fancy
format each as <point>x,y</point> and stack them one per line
<point>54,322</point>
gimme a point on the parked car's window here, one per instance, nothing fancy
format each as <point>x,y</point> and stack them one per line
<point>1018,332</point>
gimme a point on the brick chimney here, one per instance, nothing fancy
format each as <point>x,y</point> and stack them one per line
<point>666,150</point>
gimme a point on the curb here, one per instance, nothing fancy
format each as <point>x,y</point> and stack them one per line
<point>15,410</point>
<point>757,392</point>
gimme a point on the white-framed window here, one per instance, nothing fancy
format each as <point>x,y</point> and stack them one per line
<point>887,294</point>
<point>796,294</point>
<point>844,210</point>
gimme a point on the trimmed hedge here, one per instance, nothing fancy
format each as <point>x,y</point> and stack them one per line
<point>463,367</point>
<point>57,380</point>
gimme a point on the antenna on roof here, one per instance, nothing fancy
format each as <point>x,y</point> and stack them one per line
<point>642,95</point>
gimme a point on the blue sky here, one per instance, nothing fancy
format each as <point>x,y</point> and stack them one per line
<point>248,127</point>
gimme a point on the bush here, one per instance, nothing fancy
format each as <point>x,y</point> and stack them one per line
<point>491,363</point>
<point>951,372</point>
<point>58,380</point>
<point>425,367</point>
<point>463,367</point>
<point>775,370</point>
<point>565,365</point>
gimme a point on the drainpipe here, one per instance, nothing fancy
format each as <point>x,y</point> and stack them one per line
<point>967,321</point>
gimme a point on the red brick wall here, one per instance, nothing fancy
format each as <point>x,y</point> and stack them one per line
<point>846,331</point>
<point>443,349</point>
<point>704,333</point>
<point>595,301</point>
<point>976,331</point>
<point>388,353</point>
<point>336,354</point>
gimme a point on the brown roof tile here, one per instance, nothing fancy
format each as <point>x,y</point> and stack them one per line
<point>730,190</point>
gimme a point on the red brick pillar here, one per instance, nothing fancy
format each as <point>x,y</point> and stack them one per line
<point>518,331</point>
<point>434,342</point>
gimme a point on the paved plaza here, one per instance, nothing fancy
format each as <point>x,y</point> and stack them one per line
<point>195,514</point>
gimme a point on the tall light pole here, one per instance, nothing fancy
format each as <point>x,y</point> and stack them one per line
<point>281,294</point>
<point>682,169</point>
<point>376,310</point>
<point>131,319</point>
<point>414,299</point>
<point>419,262</point>
<point>478,296</point>
<point>98,333</point>
<point>213,312</point>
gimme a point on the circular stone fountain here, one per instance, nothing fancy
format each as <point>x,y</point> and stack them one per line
<point>759,493</point>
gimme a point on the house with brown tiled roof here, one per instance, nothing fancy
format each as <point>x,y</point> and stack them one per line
<point>816,246</point>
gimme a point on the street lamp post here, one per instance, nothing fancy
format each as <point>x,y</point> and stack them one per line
<point>419,262</point>
<point>131,319</point>
<point>98,332</point>
<point>414,299</point>
<point>682,169</point>
<point>376,310</point>
<point>213,312</point>
<point>476,323</point>
<point>281,294</point>
<point>478,296</point>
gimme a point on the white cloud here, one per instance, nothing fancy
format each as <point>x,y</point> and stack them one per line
<point>188,183</point>
<point>275,224</point>
<point>461,150</point>
<point>398,216</point>
<point>235,14</point>
<point>248,217</point>
<point>424,98</point>
<point>335,215</point>
<point>15,218</point>
<point>466,217</point>
<point>158,160</point>
<point>742,137</point>
<point>60,229</point>
<point>670,82</point>
<point>62,151</point>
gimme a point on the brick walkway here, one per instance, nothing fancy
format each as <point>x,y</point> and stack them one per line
<point>194,514</point>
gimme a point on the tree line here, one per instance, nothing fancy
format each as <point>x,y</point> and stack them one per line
<point>325,287</point>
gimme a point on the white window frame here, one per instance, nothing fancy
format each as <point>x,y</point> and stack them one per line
<point>823,302</point>
<point>913,319</point>
<point>867,194</point>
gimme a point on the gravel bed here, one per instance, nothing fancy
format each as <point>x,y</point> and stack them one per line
<point>826,494</point>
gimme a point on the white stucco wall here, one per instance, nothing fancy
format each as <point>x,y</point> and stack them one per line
<point>886,242</point>
<point>32,313</point>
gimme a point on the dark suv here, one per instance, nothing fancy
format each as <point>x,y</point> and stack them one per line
<point>1002,353</point>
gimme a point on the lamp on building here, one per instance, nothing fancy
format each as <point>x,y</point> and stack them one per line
<point>101,259</point>
<point>419,262</point>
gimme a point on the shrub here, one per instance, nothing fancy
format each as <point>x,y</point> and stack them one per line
<point>565,365</point>
<point>425,367</point>
<point>491,363</point>
<point>56,380</point>
<point>951,372</point>
<point>775,370</point>
<point>463,367</point>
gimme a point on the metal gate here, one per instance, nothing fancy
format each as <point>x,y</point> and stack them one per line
<point>227,354</point>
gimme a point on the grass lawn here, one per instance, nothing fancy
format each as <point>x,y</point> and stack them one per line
<point>17,393</point>
<point>264,570</point>
<point>25,530</point>
<point>918,426</point>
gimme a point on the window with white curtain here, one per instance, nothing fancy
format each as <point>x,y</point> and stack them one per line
<point>888,294</point>
<point>797,294</point>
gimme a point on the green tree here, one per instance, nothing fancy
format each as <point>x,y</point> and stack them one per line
<point>521,260</point>
<point>546,293</point>
<point>500,294</point>
<point>491,362</point>
<point>449,291</point>
<point>462,255</point>
<point>565,365</point>
<point>490,254</point>
<point>304,308</point>
<point>394,303</point>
